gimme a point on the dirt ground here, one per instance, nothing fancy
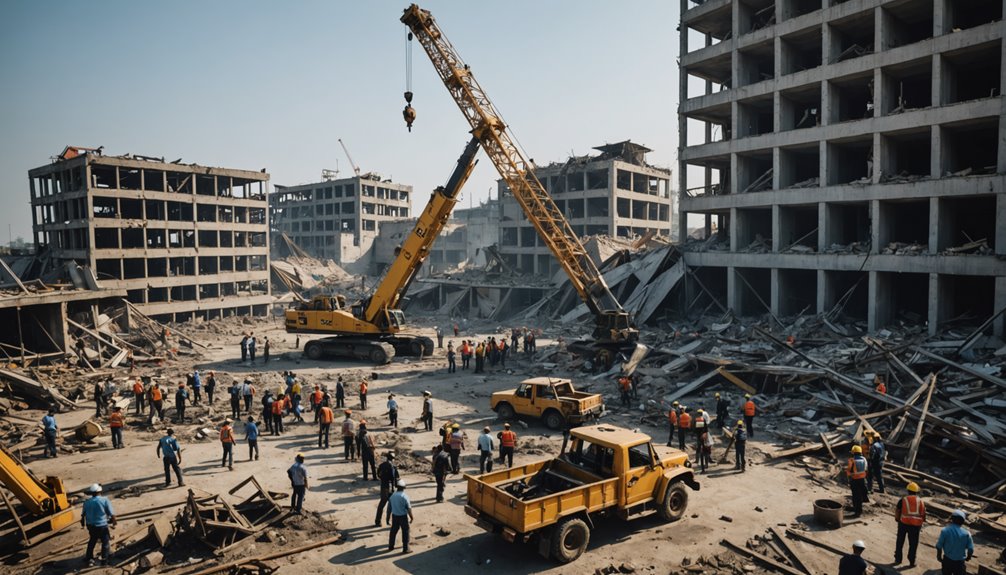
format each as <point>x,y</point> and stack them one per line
<point>730,505</point>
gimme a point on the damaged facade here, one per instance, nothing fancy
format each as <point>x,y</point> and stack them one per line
<point>615,193</point>
<point>339,219</point>
<point>183,240</point>
<point>846,157</point>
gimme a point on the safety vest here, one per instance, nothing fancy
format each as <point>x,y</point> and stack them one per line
<point>116,420</point>
<point>508,438</point>
<point>857,468</point>
<point>137,388</point>
<point>363,388</point>
<point>226,434</point>
<point>277,407</point>
<point>316,398</point>
<point>881,388</point>
<point>672,417</point>
<point>155,393</point>
<point>685,421</point>
<point>625,383</point>
<point>480,351</point>
<point>456,440</point>
<point>700,422</point>
<point>326,415</point>
<point>749,408</point>
<point>466,349</point>
<point>913,511</point>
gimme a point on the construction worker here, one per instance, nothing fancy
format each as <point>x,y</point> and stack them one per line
<point>156,402</point>
<point>349,437</point>
<point>247,393</point>
<point>315,399</point>
<point>881,387</point>
<point>441,465</point>
<point>625,387</point>
<point>452,364</point>
<point>427,416</point>
<point>749,414</point>
<point>277,414</point>
<point>51,431</point>
<point>295,409</point>
<point>684,426</point>
<point>298,482</point>
<point>267,401</point>
<point>480,354</point>
<point>227,442</point>
<point>138,395</point>
<point>910,514</point>
<point>878,452</point>
<point>485,445</point>
<point>401,516</point>
<point>392,411</point>
<point>340,393</point>
<point>365,447</point>
<point>234,391</point>
<point>457,443</point>
<point>853,563</point>
<point>211,386</point>
<point>445,435</point>
<point>672,422</point>
<point>700,424</point>
<point>857,471</point>
<point>466,354</point>
<point>168,450</point>
<point>705,450</point>
<point>181,397</point>
<point>440,337</point>
<point>508,443</point>
<point>97,517</point>
<point>740,445</point>
<point>722,410</point>
<point>955,545</point>
<point>325,417</point>
<point>388,474</point>
<point>99,398</point>
<point>251,436</point>
<point>363,394</point>
<point>116,421</point>
<point>197,387</point>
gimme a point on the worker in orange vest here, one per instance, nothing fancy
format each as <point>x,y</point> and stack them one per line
<point>227,441</point>
<point>363,394</point>
<point>277,407</point>
<point>672,421</point>
<point>857,470</point>
<point>156,402</point>
<point>749,414</point>
<point>910,515</point>
<point>116,421</point>
<point>138,395</point>
<point>625,386</point>
<point>508,443</point>
<point>325,419</point>
<point>881,386</point>
<point>315,399</point>
<point>684,426</point>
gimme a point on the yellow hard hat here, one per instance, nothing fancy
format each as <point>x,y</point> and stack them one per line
<point>913,487</point>
<point>747,396</point>
<point>857,449</point>
<point>717,394</point>
<point>740,422</point>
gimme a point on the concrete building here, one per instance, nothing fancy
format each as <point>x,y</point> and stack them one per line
<point>615,193</point>
<point>849,153</point>
<point>183,240</point>
<point>339,219</point>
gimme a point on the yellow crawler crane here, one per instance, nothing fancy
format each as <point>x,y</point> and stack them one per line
<point>44,500</point>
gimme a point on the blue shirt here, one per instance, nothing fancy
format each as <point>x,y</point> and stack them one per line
<point>485,442</point>
<point>251,431</point>
<point>392,405</point>
<point>955,542</point>
<point>197,381</point>
<point>168,446</point>
<point>49,423</point>
<point>97,510</point>
<point>298,474</point>
<point>400,504</point>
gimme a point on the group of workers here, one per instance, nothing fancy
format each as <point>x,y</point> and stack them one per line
<point>680,418</point>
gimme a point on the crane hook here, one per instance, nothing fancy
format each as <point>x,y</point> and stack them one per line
<point>409,113</point>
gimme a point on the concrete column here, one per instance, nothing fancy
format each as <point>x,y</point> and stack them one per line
<point>776,164</point>
<point>877,155</point>
<point>874,229</point>
<point>776,229</point>
<point>878,91</point>
<point>1000,226</point>
<point>735,174</point>
<point>732,285</point>
<point>822,290</point>
<point>936,157</point>
<point>1000,302</point>
<point>822,161</point>
<point>876,309</point>
<point>822,232</point>
<point>775,294</point>
<point>941,17</point>
<point>733,230</point>
<point>934,302</point>
<point>1001,163</point>
<point>934,227</point>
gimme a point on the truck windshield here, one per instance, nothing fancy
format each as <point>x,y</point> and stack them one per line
<point>594,458</point>
<point>640,456</point>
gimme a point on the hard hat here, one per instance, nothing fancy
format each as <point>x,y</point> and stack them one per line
<point>300,456</point>
<point>485,429</point>
<point>675,403</point>
<point>959,513</point>
<point>94,488</point>
<point>717,394</point>
<point>228,421</point>
<point>402,484</point>
<point>858,544</point>
<point>747,396</point>
<point>456,426</point>
<point>349,412</point>
<point>506,425</point>
<point>390,455</point>
<point>699,410</point>
<point>427,393</point>
<point>913,487</point>
<point>857,449</point>
<point>740,422</point>
<point>363,423</point>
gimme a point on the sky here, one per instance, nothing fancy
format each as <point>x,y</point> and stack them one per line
<point>274,85</point>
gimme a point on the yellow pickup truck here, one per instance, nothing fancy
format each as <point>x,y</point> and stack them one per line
<point>602,470</point>
<point>551,399</point>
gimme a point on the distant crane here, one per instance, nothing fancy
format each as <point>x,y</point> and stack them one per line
<point>356,169</point>
<point>329,175</point>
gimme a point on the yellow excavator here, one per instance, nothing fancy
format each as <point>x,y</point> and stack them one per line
<point>371,329</point>
<point>614,329</point>
<point>45,500</point>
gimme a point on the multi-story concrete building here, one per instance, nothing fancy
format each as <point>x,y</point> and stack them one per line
<point>615,193</point>
<point>183,240</point>
<point>849,153</point>
<point>338,219</point>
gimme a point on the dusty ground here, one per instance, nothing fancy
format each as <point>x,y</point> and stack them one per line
<point>777,495</point>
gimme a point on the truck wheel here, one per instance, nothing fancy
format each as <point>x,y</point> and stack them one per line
<point>378,356</point>
<point>569,540</point>
<point>675,502</point>
<point>313,350</point>
<point>416,348</point>
<point>554,419</point>
<point>505,411</point>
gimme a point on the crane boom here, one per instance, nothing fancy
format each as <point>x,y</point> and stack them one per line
<point>356,169</point>
<point>612,322</point>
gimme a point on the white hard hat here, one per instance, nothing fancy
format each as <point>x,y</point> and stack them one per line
<point>401,483</point>
<point>858,544</point>
<point>94,488</point>
<point>959,513</point>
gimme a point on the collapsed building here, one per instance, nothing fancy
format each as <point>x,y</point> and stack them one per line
<point>845,158</point>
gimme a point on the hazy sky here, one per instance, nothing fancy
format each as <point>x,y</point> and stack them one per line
<point>273,85</point>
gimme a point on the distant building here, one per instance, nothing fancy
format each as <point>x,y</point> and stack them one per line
<point>615,193</point>
<point>338,219</point>
<point>183,240</point>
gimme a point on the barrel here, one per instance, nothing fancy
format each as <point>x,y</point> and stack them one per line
<point>828,512</point>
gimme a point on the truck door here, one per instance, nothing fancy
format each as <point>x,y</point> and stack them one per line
<point>642,475</point>
<point>538,399</point>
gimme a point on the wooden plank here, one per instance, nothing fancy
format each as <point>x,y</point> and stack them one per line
<point>913,449</point>
<point>690,387</point>
<point>736,380</point>
<point>271,556</point>
<point>824,441</point>
<point>980,375</point>
<point>802,450</point>
<point>795,558</point>
<point>764,559</point>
